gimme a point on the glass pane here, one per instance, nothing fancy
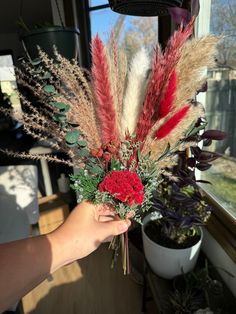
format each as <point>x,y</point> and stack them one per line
<point>221,106</point>
<point>94,3</point>
<point>131,32</point>
<point>8,85</point>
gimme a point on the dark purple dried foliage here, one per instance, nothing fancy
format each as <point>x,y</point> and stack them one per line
<point>181,203</point>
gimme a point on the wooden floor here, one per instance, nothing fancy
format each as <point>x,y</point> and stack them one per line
<point>85,287</point>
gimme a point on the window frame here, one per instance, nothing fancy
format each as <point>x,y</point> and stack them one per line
<point>222,225</point>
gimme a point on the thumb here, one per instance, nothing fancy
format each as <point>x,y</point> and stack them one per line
<point>114,228</point>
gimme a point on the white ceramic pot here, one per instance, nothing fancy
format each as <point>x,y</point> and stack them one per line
<point>166,262</point>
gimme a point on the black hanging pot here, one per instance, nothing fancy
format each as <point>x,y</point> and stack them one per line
<point>144,7</point>
<point>64,38</point>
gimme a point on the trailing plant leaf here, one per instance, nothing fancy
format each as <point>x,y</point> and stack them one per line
<point>207,142</point>
<point>214,135</point>
<point>203,166</point>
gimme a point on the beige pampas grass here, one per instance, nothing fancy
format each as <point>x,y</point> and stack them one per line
<point>123,69</point>
<point>135,91</point>
<point>80,97</point>
<point>118,72</point>
<point>157,147</point>
<point>196,56</point>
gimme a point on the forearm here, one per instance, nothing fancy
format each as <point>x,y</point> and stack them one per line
<point>24,264</point>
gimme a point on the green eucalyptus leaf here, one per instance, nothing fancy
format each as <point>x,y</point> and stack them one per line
<point>59,117</point>
<point>61,106</point>
<point>36,61</point>
<point>49,89</point>
<point>71,145</point>
<point>46,76</point>
<point>72,137</point>
<point>83,152</point>
<point>82,143</point>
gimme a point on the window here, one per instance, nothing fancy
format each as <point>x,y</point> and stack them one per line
<point>130,32</point>
<point>94,3</point>
<point>218,17</point>
<point>8,85</point>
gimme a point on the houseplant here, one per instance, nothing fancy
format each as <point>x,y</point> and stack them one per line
<point>65,39</point>
<point>121,127</point>
<point>172,237</point>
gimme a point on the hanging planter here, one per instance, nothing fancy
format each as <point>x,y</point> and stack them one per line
<point>144,7</point>
<point>169,262</point>
<point>65,39</point>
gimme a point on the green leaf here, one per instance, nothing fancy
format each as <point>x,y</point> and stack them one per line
<point>61,106</point>
<point>36,61</point>
<point>196,130</point>
<point>83,152</point>
<point>96,170</point>
<point>82,143</point>
<point>72,137</point>
<point>139,155</point>
<point>190,129</point>
<point>59,117</point>
<point>115,164</point>
<point>49,89</point>
<point>166,151</point>
<point>46,76</point>
<point>71,145</point>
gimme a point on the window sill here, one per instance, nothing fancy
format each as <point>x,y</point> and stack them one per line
<point>222,226</point>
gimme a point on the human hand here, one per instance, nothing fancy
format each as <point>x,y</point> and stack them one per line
<point>85,229</point>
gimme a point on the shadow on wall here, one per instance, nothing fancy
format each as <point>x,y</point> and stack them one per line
<point>18,201</point>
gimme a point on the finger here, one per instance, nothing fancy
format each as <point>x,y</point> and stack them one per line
<point>105,218</point>
<point>113,228</point>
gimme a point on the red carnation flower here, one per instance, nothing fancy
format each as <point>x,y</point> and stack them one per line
<point>125,186</point>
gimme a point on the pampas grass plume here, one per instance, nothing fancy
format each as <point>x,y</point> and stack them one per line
<point>135,91</point>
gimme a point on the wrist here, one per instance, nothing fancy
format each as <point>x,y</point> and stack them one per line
<point>58,250</point>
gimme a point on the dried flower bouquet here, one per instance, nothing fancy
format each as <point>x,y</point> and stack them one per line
<point>120,125</point>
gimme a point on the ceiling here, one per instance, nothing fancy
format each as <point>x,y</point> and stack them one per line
<point>32,11</point>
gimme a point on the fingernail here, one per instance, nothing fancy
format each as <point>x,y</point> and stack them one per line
<point>123,226</point>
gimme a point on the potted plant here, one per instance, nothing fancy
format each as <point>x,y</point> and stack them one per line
<point>172,234</point>
<point>46,36</point>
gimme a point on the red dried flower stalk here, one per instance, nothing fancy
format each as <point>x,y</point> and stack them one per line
<point>167,101</point>
<point>102,87</point>
<point>145,118</point>
<point>171,123</point>
<point>162,69</point>
<point>171,57</point>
